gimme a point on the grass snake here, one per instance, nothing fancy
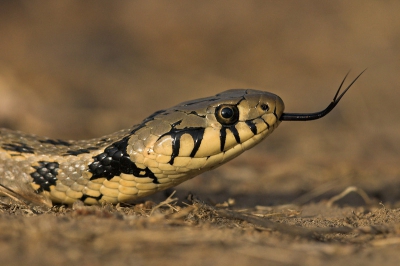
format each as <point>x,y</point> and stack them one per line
<point>165,149</point>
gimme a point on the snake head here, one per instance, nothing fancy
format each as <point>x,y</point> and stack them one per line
<point>198,135</point>
<point>192,137</point>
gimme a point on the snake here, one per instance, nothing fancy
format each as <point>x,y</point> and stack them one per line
<point>167,148</point>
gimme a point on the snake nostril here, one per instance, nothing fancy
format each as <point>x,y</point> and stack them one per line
<point>264,107</point>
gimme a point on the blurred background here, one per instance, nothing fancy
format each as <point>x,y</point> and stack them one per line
<point>81,69</point>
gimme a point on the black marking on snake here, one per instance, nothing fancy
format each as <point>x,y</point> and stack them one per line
<point>252,126</point>
<point>18,147</point>
<point>197,114</point>
<point>148,119</point>
<point>222,135</point>
<point>222,138</point>
<point>240,100</point>
<point>151,117</point>
<point>80,151</point>
<point>57,142</point>
<point>196,133</point>
<point>276,116</point>
<point>197,142</point>
<point>268,125</point>
<point>173,125</point>
<point>84,197</point>
<point>45,175</point>
<point>235,133</point>
<point>136,128</point>
<point>114,161</point>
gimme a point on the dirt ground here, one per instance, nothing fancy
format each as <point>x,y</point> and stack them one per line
<point>325,192</point>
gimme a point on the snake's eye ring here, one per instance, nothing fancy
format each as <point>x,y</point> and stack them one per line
<point>227,114</point>
<point>264,107</point>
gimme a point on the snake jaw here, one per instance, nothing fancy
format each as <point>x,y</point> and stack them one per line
<point>320,114</point>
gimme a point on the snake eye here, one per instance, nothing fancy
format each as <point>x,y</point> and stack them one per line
<point>264,107</point>
<point>227,114</point>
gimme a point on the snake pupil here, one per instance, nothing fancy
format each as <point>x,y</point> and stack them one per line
<point>227,114</point>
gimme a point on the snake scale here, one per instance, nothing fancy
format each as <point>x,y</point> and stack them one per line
<point>165,149</point>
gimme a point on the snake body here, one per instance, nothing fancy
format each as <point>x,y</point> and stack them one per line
<point>165,149</point>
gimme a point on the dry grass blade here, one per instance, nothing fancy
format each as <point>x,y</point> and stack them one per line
<point>25,200</point>
<point>5,191</point>
<point>166,202</point>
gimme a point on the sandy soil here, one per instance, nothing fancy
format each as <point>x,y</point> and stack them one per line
<point>78,69</point>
